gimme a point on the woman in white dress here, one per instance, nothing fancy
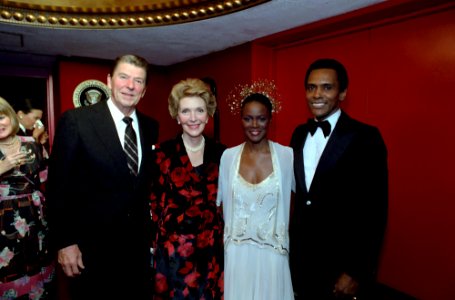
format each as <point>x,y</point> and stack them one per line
<point>255,183</point>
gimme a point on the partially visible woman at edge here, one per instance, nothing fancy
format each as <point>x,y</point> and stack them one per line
<point>256,179</point>
<point>188,246</point>
<point>26,268</point>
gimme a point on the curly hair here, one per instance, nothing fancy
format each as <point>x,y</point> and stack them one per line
<point>191,87</point>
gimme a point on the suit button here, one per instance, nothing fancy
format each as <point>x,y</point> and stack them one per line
<point>308,202</point>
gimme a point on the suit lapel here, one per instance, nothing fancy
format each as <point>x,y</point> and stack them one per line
<point>103,125</point>
<point>146,144</point>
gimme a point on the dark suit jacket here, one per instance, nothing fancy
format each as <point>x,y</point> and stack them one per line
<point>338,223</point>
<point>94,201</point>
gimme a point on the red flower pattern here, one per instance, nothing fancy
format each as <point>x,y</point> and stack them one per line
<point>189,245</point>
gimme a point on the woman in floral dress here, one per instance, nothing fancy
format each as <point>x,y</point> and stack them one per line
<point>188,246</point>
<point>26,268</point>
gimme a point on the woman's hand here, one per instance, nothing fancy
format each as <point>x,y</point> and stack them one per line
<point>40,134</point>
<point>345,286</point>
<point>11,161</point>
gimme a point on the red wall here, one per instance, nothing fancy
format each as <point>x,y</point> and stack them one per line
<point>73,72</point>
<point>228,68</point>
<point>401,62</point>
<point>402,75</point>
<point>218,66</point>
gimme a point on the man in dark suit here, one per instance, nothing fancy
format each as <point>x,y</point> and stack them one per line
<point>99,212</point>
<point>340,206</point>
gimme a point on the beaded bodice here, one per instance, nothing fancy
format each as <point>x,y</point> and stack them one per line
<point>255,214</point>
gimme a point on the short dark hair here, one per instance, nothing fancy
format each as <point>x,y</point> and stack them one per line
<point>261,98</point>
<point>26,105</point>
<point>134,60</point>
<point>333,64</point>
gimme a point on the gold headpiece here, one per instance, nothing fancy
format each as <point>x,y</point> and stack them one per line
<point>263,86</point>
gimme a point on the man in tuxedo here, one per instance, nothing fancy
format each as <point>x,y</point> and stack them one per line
<point>340,206</point>
<point>99,212</point>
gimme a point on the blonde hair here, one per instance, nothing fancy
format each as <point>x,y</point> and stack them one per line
<point>7,110</point>
<point>188,88</point>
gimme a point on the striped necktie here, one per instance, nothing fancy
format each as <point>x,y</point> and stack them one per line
<point>130,146</point>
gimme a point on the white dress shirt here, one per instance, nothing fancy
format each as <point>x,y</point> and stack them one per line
<point>118,116</point>
<point>314,146</point>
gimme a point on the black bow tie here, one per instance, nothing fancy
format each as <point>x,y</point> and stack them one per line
<point>313,125</point>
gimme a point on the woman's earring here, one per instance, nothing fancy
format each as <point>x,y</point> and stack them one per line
<point>178,122</point>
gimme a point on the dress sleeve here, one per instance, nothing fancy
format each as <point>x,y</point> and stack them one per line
<point>221,180</point>
<point>158,195</point>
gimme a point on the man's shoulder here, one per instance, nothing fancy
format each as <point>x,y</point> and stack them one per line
<point>146,120</point>
<point>362,131</point>
<point>83,110</point>
<point>298,135</point>
<point>346,120</point>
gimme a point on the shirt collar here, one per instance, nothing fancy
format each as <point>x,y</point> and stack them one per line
<point>333,118</point>
<point>117,114</point>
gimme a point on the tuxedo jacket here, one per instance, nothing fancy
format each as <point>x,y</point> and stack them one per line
<point>338,222</point>
<point>94,201</point>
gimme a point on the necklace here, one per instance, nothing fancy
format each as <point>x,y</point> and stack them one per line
<point>194,149</point>
<point>10,146</point>
<point>11,141</point>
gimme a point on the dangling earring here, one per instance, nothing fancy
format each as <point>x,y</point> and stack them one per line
<point>178,122</point>
<point>20,117</point>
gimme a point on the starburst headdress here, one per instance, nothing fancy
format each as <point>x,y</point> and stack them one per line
<point>265,87</point>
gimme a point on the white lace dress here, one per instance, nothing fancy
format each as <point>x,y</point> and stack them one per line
<point>256,263</point>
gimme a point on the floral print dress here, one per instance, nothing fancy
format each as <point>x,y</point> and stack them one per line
<point>188,254</point>
<point>26,268</point>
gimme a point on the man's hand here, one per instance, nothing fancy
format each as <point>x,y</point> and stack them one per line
<point>345,286</point>
<point>70,258</point>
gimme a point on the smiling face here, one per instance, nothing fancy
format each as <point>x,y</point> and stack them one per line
<point>323,93</point>
<point>255,121</point>
<point>192,115</point>
<point>128,85</point>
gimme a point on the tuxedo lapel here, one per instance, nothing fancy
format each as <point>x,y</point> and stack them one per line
<point>336,146</point>
<point>298,157</point>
